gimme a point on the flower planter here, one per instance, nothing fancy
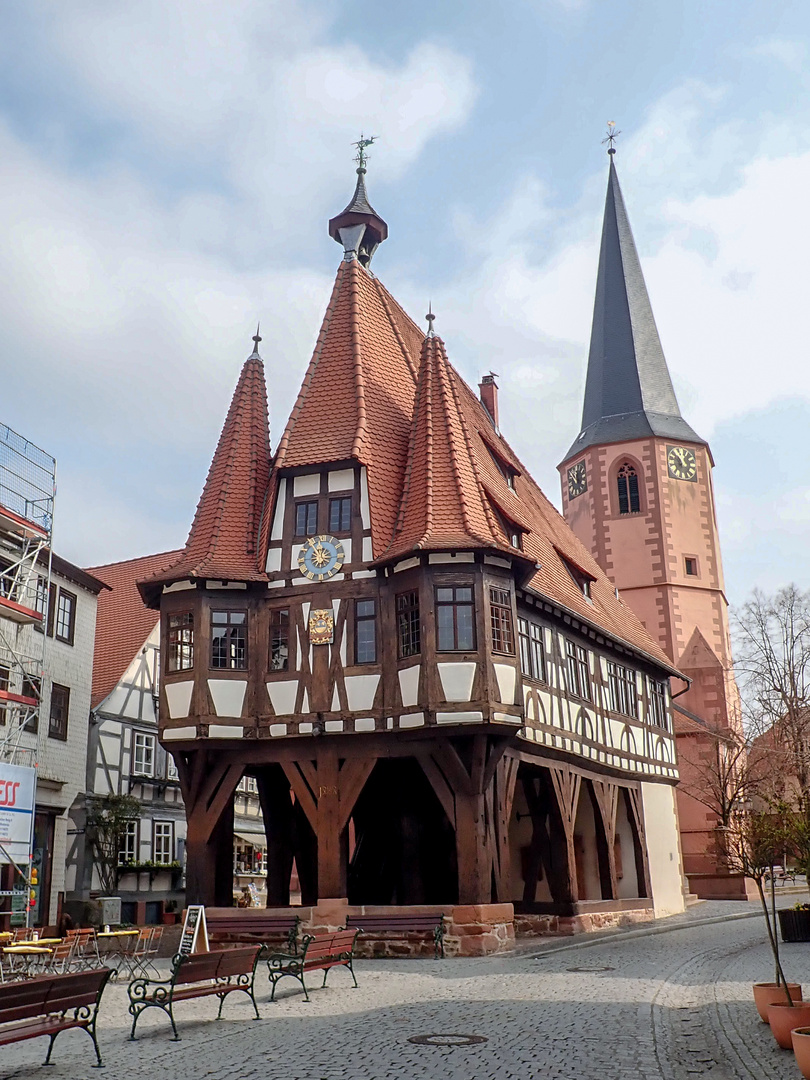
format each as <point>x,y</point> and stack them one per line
<point>794,925</point>
<point>784,1018</point>
<point>169,918</point>
<point>801,1048</point>
<point>766,994</point>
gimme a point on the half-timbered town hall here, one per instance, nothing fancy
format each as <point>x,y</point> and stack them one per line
<point>441,696</point>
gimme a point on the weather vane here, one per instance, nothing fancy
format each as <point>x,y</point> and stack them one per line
<point>612,134</point>
<point>361,144</point>
<point>430,319</point>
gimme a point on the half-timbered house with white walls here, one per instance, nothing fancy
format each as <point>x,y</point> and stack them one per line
<point>439,693</point>
<point>125,758</point>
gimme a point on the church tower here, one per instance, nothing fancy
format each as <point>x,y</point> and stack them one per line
<point>637,490</point>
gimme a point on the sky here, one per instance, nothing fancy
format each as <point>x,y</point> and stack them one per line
<point>168,169</point>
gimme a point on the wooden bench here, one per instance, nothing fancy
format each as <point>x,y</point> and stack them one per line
<point>241,928</point>
<point>319,952</point>
<point>51,1004</point>
<point>402,923</point>
<point>218,973</point>
<point>781,873</point>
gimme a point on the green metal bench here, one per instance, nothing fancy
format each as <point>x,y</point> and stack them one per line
<point>218,973</point>
<point>318,952</point>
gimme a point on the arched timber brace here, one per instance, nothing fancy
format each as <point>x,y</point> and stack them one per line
<point>475,783</point>
<point>566,788</point>
<point>208,785</point>
<point>605,800</point>
<point>635,814</point>
<point>326,790</point>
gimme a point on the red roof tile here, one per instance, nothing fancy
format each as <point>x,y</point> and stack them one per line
<point>223,540</point>
<point>123,622</point>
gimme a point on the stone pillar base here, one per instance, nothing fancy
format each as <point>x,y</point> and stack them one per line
<point>722,887</point>
<point>531,925</point>
<point>479,930</point>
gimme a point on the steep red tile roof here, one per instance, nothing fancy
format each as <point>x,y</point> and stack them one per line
<point>123,622</point>
<point>444,502</point>
<point>356,401</point>
<point>224,535</point>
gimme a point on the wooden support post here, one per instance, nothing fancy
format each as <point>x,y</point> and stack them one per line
<point>277,811</point>
<point>605,800</point>
<point>635,813</point>
<point>566,785</point>
<point>208,785</point>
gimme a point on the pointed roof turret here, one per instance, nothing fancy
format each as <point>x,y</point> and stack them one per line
<point>222,543</point>
<point>359,228</point>
<point>628,392</point>
<point>445,504</point>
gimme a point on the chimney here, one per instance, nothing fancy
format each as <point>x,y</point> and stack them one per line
<point>488,392</point>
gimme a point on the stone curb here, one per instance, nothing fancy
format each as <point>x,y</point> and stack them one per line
<point>600,938</point>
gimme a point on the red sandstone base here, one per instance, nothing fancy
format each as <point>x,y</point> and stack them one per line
<point>722,887</point>
<point>566,925</point>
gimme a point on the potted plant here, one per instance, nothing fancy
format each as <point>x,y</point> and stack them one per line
<point>752,845</point>
<point>169,916</point>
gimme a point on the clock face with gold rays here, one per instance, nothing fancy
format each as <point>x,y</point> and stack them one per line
<point>321,557</point>
<point>577,480</point>
<point>681,463</point>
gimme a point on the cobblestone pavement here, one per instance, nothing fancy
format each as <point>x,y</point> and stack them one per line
<point>661,1006</point>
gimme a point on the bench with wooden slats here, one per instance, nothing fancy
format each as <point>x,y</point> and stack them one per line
<point>402,925</point>
<point>51,1004</point>
<point>318,952</point>
<point>241,928</point>
<point>217,973</point>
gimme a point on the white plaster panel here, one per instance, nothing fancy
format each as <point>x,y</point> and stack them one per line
<point>663,848</point>
<point>406,564</point>
<point>307,485</point>
<point>506,718</point>
<point>171,734</point>
<point>530,709</point>
<point>347,549</point>
<point>335,608</point>
<point>277,531</point>
<point>365,723</point>
<point>229,585</point>
<point>368,553</point>
<point>333,725</point>
<point>305,611</point>
<point>365,513</point>
<point>409,684</point>
<point>363,574</point>
<point>360,691</point>
<point>448,557</point>
<point>228,695</point>
<point>296,551</point>
<point>178,698</point>
<point>505,674</point>
<point>305,703</point>
<point>225,731</point>
<point>457,680</point>
<point>276,730</point>
<point>459,717</point>
<point>344,648</point>
<point>276,584</point>
<point>341,480</point>
<point>179,586</point>
<point>305,728</point>
<point>335,699</point>
<point>273,560</point>
<point>389,723</point>
<point>298,643</point>
<point>282,696</point>
<point>411,720</point>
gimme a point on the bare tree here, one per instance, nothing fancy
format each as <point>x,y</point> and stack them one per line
<point>722,769</point>
<point>772,649</point>
<point>107,821</point>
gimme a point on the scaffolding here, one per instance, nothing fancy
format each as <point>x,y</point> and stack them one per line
<point>27,492</point>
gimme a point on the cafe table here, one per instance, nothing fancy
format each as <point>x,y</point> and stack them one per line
<point>27,954</point>
<point>116,944</point>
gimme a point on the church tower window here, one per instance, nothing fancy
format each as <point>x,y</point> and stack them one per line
<point>627,482</point>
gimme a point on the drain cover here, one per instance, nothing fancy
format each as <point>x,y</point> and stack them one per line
<point>447,1040</point>
<point>590,970</point>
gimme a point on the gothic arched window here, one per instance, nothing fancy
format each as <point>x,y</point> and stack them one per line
<point>627,481</point>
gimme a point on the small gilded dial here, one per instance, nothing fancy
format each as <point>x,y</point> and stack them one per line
<point>320,558</point>
<point>577,480</point>
<point>682,463</point>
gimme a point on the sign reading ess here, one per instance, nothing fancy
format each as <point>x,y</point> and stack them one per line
<point>17,794</point>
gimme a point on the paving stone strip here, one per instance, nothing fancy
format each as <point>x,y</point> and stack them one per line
<point>671,1006</point>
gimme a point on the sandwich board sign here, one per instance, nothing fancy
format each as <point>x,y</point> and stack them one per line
<point>194,937</point>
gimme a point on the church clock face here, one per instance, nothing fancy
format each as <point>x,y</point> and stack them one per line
<point>577,480</point>
<point>682,463</point>
<point>321,557</point>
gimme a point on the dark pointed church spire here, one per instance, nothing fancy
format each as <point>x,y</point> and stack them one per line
<point>628,391</point>
<point>359,228</point>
